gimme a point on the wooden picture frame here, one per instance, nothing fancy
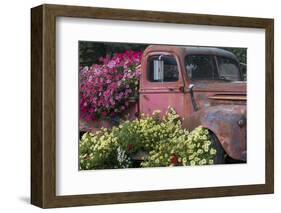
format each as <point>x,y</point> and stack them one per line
<point>43,105</point>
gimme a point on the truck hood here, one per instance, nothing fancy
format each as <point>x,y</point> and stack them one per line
<point>217,93</point>
<point>235,87</point>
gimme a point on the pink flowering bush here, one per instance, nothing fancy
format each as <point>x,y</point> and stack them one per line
<point>105,90</point>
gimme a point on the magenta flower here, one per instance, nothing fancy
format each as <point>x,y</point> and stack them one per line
<point>105,88</point>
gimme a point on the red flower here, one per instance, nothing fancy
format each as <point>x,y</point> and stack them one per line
<point>103,113</point>
<point>130,146</point>
<point>174,159</point>
<point>88,118</point>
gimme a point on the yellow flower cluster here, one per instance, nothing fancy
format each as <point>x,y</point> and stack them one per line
<point>96,150</point>
<point>179,147</point>
<point>163,140</point>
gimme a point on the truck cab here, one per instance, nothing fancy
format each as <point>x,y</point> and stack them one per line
<point>204,85</point>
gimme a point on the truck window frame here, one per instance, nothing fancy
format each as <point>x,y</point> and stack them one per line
<point>165,54</point>
<point>236,62</point>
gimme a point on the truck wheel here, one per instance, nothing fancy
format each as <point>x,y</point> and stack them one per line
<point>220,156</point>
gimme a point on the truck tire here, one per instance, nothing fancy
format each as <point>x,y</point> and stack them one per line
<point>220,155</point>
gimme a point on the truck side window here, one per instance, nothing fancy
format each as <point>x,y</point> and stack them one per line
<point>162,68</point>
<point>201,67</point>
<point>228,69</point>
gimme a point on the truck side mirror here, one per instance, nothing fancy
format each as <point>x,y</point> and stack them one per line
<point>158,69</point>
<point>190,88</point>
<point>194,105</point>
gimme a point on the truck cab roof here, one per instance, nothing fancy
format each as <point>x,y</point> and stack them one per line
<point>191,50</point>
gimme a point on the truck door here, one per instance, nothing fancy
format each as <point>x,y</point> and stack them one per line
<point>161,84</point>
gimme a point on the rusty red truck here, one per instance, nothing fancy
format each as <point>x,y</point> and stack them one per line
<point>205,86</point>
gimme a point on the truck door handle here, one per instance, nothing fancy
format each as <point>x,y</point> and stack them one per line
<point>145,97</point>
<point>171,89</point>
<point>183,89</point>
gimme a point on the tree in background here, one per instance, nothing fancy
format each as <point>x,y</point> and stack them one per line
<point>241,53</point>
<point>91,52</point>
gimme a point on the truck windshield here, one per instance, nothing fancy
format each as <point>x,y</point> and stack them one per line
<point>228,69</point>
<point>203,67</point>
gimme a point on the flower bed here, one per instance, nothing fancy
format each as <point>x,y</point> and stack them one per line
<point>163,140</point>
<point>106,89</point>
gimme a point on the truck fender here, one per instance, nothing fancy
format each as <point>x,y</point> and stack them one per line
<point>228,123</point>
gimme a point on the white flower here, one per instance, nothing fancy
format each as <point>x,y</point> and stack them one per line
<point>213,151</point>
<point>192,163</point>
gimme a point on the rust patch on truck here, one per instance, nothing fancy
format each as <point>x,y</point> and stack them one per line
<point>220,106</point>
<point>229,97</point>
<point>228,123</point>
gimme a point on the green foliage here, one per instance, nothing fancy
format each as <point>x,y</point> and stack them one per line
<point>241,53</point>
<point>163,140</point>
<point>90,52</point>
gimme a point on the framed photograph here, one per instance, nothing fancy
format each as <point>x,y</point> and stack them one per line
<point>136,106</point>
